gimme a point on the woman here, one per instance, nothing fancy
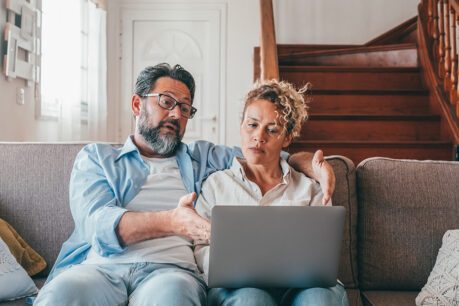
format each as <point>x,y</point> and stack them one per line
<point>273,115</point>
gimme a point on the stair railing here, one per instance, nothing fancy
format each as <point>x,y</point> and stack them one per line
<point>268,48</point>
<point>438,49</point>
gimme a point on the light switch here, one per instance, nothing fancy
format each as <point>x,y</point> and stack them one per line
<point>20,96</point>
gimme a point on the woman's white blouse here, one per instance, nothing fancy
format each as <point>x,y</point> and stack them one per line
<point>231,187</point>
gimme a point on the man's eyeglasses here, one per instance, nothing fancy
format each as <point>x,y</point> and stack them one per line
<point>169,103</point>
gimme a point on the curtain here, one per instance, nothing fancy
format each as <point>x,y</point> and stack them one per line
<point>97,74</point>
<point>61,67</point>
<point>74,80</point>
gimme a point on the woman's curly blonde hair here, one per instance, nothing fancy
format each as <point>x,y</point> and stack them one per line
<point>293,108</point>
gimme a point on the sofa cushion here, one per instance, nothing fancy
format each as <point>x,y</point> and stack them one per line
<point>405,207</point>
<point>34,193</point>
<point>39,282</point>
<point>30,260</point>
<point>353,297</point>
<point>344,195</point>
<point>443,283</point>
<point>389,298</point>
<point>15,283</point>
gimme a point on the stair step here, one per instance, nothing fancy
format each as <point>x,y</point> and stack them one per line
<point>366,127</point>
<point>368,117</point>
<point>397,55</point>
<point>358,150</point>
<point>397,103</point>
<point>291,49</point>
<point>352,78</point>
<point>401,33</point>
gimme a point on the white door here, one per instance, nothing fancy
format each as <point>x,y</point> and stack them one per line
<point>187,34</point>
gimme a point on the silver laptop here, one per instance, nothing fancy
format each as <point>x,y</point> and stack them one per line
<point>276,246</point>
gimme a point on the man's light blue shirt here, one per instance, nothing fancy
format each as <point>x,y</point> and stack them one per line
<point>105,179</point>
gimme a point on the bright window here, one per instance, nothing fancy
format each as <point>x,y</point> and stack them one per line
<point>61,54</point>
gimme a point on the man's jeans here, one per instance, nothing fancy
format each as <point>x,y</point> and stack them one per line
<point>122,284</point>
<point>334,296</point>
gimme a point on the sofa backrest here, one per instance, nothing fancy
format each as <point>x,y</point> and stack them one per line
<point>34,197</point>
<point>345,195</point>
<point>405,207</point>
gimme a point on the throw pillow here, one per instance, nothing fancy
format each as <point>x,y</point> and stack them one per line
<point>442,286</point>
<point>24,254</point>
<point>14,281</point>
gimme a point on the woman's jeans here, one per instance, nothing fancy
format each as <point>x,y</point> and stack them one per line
<point>253,296</point>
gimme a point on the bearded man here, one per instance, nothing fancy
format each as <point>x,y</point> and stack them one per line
<point>133,207</point>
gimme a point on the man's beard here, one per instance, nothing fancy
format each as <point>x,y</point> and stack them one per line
<point>163,144</point>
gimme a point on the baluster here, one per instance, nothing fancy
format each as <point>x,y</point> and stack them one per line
<point>453,89</point>
<point>441,45</point>
<point>447,73</point>
<point>435,33</point>
<point>429,17</point>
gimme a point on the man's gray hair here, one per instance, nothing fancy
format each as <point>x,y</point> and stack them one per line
<point>147,78</point>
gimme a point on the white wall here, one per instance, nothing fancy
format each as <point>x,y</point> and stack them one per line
<point>243,36</point>
<point>338,21</point>
<point>17,122</point>
<point>297,21</point>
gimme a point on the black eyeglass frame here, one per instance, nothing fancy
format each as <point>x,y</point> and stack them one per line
<point>192,111</point>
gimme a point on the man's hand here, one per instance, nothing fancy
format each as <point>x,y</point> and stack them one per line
<point>316,167</point>
<point>324,175</point>
<point>188,222</point>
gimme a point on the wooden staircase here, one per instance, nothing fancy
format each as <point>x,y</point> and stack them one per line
<point>367,100</point>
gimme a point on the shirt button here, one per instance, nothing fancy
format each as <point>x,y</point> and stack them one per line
<point>136,186</point>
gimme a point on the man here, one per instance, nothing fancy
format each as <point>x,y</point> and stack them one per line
<point>132,242</point>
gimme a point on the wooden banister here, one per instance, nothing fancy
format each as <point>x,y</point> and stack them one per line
<point>268,48</point>
<point>439,52</point>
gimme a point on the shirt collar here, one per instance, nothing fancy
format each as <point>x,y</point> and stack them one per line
<point>285,170</point>
<point>128,147</point>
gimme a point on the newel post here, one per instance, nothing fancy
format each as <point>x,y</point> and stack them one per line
<point>268,48</point>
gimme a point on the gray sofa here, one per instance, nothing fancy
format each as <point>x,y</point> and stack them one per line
<point>397,213</point>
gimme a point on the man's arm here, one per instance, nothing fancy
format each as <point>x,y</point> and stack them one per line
<point>95,208</point>
<point>315,166</point>
<point>183,220</point>
<point>212,157</point>
<point>220,157</point>
<point>108,226</point>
